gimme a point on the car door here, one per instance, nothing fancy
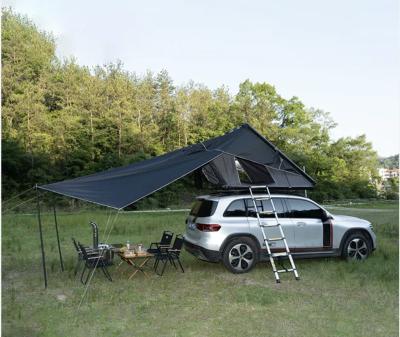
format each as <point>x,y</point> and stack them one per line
<point>235,218</point>
<point>307,220</point>
<point>271,232</point>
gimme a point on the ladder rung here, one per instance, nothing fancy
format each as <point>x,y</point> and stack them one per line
<point>262,198</point>
<point>285,270</point>
<point>279,254</point>
<point>266,212</point>
<point>258,186</point>
<point>275,239</point>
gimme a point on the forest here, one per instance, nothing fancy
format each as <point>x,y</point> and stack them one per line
<point>62,120</point>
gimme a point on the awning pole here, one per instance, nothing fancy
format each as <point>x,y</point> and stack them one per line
<point>41,238</point>
<point>58,237</point>
<point>305,191</point>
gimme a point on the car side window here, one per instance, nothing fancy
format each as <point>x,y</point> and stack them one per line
<point>280,208</point>
<point>265,208</point>
<point>236,208</point>
<point>299,208</point>
<point>250,207</point>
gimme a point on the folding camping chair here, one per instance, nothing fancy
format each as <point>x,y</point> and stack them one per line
<point>94,261</point>
<point>89,251</point>
<point>171,255</point>
<point>165,242</point>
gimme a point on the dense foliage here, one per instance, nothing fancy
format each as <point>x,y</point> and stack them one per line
<point>390,187</point>
<point>62,120</point>
<point>391,162</point>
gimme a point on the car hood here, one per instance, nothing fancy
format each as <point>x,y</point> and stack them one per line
<point>350,219</point>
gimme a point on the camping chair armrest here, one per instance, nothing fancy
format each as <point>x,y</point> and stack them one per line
<point>173,252</point>
<point>97,257</point>
<point>92,253</point>
<point>154,244</point>
<point>163,248</point>
<point>159,246</point>
<point>90,250</point>
<point>161,251</point>
<point>102,252</point>
<point>96,250</point>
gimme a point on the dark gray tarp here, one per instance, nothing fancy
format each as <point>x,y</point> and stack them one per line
<point>122,186</point>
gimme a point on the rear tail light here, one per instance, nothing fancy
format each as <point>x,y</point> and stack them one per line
<point>208,227</point>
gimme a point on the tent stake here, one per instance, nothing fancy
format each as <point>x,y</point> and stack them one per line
<point>58,237</point>
<point>41,238</point>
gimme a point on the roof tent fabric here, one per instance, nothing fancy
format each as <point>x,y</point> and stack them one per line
<point>222,171</point>
<point>122,186</point>
<point>257,173</point>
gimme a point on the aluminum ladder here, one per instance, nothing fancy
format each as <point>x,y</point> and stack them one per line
<point>267,239</point>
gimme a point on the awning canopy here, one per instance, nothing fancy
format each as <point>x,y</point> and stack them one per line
<point>223,160</point>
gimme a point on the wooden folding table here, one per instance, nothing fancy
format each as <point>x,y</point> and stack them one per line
<point>136,260</point>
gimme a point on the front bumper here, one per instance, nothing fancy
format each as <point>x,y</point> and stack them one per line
<point>202,253</point>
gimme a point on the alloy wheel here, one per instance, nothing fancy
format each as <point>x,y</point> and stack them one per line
<point>357,249</point>
<point>241,257</point>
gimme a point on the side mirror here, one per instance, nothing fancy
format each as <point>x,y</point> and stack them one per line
<point>326,216</point>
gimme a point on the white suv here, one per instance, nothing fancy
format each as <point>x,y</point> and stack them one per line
<point>225,227</point>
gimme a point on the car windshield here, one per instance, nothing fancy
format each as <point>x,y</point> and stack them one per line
<point>203,208</point>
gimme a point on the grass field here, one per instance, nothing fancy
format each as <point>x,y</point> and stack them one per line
<point>333,297</point>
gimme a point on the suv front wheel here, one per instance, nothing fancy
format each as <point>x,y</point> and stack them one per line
<point>240,255</point>
<point>356,247</point>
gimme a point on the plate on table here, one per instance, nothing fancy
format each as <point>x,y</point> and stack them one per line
<point>129,253</point>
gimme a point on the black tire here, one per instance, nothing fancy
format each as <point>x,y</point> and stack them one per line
<point>356,247</point>
<point>240,255</point>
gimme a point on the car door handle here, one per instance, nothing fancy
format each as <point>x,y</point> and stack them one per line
<point>301,223</point>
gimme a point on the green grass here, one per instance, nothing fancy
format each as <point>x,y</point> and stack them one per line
<point>377,204</point>
<point>333,297</point>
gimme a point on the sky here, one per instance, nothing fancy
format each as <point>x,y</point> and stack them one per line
<point>339,56</point>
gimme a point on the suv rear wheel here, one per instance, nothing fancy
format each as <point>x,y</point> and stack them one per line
<point>240,255</point>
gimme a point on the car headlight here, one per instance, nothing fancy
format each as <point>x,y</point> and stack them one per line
<point>372,227</point>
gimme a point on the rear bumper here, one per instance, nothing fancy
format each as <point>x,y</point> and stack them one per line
<point>202,253</point>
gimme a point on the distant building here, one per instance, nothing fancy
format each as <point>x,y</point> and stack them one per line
<point>386,174</point>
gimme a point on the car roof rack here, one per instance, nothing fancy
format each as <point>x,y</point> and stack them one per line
<point>237,190</point>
